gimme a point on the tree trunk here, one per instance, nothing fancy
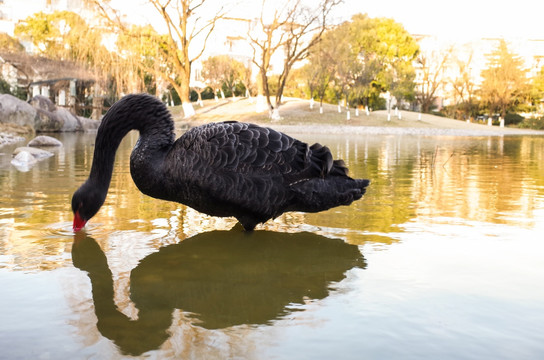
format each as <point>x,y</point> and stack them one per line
<point>199,92</point>
<point>321,96</point>
<point>260,104</point>
<point>183,92</point>
<point>266,89</point>
<point>275,113</point>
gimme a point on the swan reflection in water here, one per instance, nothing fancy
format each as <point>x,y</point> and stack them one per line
<point>219,279</point>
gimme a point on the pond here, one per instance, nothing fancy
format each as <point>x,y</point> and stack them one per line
<point>442,259</point>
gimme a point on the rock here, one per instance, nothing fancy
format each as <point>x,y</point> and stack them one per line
<point>9,138</point>
<point>43,103</point>
<point>23,161</point>
<point>47,121</point>
<point>88,124</point>
<point>37,153</point>
<point>16,111</point>
<point>48,117</point>
<point>42,115</point>
<point>53,118</point>
<point>44,140</point>
<point>69,121</point>
<point>26,157</point>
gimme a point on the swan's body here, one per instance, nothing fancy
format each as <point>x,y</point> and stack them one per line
<point>221,169</point>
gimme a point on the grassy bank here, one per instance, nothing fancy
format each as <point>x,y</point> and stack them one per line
<point>297,113</point>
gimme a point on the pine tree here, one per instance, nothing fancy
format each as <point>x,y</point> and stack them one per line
<point>504,80</point>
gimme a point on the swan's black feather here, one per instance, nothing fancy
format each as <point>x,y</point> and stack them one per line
<point>224,169</point>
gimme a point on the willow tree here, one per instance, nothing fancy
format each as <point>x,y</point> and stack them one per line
<point>141,59</point>
<point>10,44</point>
<point>289,26</point>
<point>65,36</point>
<point>188,25</point>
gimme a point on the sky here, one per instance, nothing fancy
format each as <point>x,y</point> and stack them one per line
<point>461,19</point>
<point>453,19</point>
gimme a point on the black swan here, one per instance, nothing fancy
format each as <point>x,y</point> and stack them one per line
<point>222,169</point>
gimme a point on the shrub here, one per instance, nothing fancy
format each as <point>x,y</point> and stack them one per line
<point>513,119</point>
<point>532,123</point>
<point>18,92</point>
<point>4,87</point>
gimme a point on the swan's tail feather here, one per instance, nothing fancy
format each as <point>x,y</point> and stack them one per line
<point>321,159</point>
<point>339,168</point>
<point>321,194</point>
<point>322,162</point>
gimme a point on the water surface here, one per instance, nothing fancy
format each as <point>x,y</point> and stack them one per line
<point>442,259</point>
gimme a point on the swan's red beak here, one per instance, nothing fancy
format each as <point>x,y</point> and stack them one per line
<point>79,223</point>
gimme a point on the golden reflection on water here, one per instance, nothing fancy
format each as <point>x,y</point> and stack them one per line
<point>495,179</point>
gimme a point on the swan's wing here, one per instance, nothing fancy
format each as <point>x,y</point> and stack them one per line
<point>254,150</point>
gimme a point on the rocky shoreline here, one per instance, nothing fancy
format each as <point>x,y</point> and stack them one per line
<point>40,114</point>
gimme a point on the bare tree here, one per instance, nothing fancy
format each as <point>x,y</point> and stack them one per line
<point>291,27</point>
<point>431,67</point>
<point>185,21</point>
<point>464,88</point>
<point>246,78</point>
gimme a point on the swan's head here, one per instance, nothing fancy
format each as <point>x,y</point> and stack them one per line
<point>86,202</point>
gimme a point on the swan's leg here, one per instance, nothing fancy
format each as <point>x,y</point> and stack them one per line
<point>247,222</point>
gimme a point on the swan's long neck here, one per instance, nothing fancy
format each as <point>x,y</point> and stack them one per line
<point>141,112</point>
